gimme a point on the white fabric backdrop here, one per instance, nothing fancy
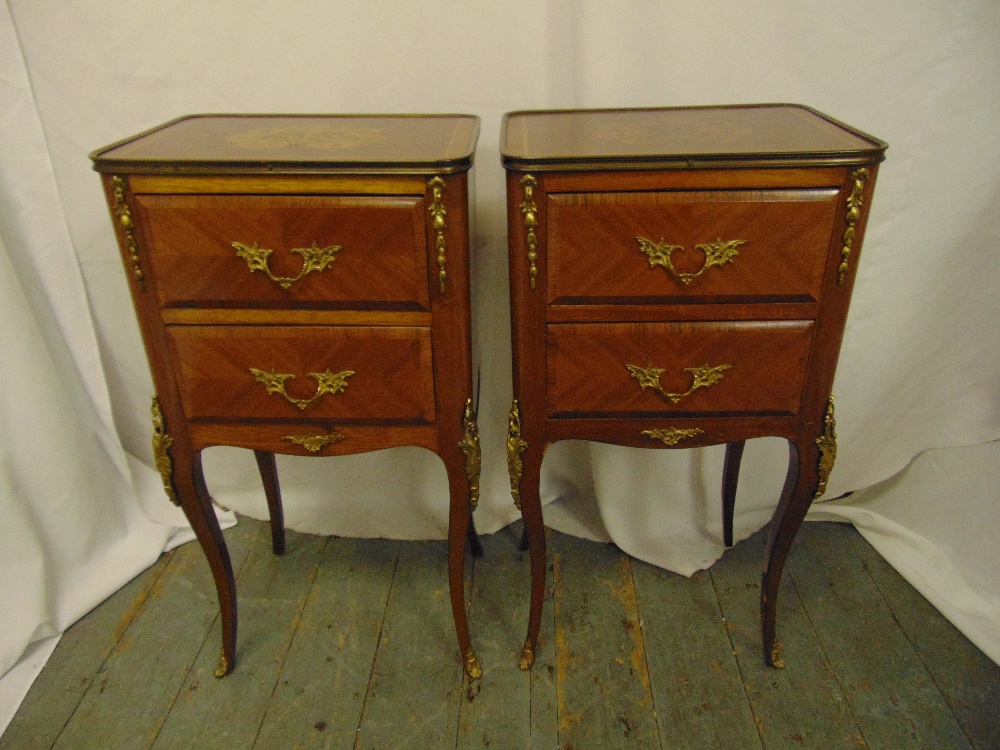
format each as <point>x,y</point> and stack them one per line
<point>921,358</point>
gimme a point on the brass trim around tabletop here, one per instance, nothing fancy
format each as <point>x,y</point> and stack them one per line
<point>529,209</point>
<point>827,443</point>
<point>313,259</point>
<point>670,436</point>
<point>717,253</point>
<point>161,451</point>
<point>437,211</point>
<point>316,442</point>
<point>326,382</point>
<point>701,377</point>
<point>124,216</point>
<point>515,447</point>
<point>854,203</point>
<point>469,445</point>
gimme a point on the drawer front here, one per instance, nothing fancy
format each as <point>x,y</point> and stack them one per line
<point>692,245</point>
<point>359,252</point>
<point>650,369</point>
<point>295,373</point>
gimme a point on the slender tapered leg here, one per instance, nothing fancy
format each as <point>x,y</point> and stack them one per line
<point>463,462</point>
<point>268,469</point>
<point>458,532</point>
<point>524,462</point>
<point>730,480</point>
<point>797,495</point>
<point>531,510</point>
<point>189,481</point>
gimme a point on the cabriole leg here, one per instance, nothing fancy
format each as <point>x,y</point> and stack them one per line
<point>800,485</point>
<point>458,529</point>
<point>463,463</point>
<point>189,479</point>
<point>524,463</point>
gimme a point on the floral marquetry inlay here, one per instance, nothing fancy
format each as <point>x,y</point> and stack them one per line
<point>329,135</point>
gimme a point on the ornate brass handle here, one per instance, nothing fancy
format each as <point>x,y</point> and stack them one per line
<point>313,259</point>
<point>717,253</point>
<point>672,435</point>
<point>701,377</point>
<point>326,382</point>
<point>315,443</point>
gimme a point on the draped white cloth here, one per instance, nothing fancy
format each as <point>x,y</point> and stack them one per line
<point>920,366</point>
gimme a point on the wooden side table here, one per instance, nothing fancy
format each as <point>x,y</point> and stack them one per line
<point>302,287</point>
<point>679,278</point>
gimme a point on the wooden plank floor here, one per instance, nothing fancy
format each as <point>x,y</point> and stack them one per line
<point>349,644</point>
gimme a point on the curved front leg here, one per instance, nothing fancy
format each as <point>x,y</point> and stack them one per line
<point>796,497</point>
<point>534,528</point>
<point>459,527</point>
<point>189,482</point>
<point>462,459</point>
<point>524,463</point>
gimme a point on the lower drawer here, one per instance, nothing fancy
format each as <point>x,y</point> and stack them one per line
<point>648,369</point>
<point>350,374</point>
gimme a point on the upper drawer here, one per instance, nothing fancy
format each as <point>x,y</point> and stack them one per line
<point>650,369</point>
<point>297,373</point>
<point>688,246</point>
<point>358,252</point>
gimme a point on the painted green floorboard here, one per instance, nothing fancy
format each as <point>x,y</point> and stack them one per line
<point>966,677</point>
<point>695,678</point>
<point>71,670</point>
<point>417,679</point>
<point>801,706</point>
<point>350,643</point>
<point>320,693</point>
<point>887,684</point>
<point>544,690</point>
<point>604,699</point>
<point>136,687</point>
<point>271,592</point>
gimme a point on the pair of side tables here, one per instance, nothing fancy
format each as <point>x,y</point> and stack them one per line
<point>678,277</point>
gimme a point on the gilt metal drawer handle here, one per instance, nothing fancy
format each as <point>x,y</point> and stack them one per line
<point>701,377</point>
<point>672,435</point>
<point>314,443</point>
<point>313,259</point>
<point>717,253</point>
<point>326,382</point>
